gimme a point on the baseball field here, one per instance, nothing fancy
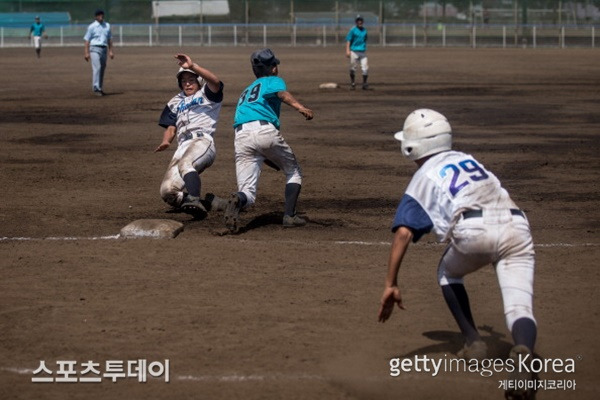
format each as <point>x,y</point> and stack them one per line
<point>272,313</point>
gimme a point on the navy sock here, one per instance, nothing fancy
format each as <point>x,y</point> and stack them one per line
<point>458,302</point>
<point>192,183</point>
<point>292,191</point>
<point>524,331</point>
<point>243,199</point>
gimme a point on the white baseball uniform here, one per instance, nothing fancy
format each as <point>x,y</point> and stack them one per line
<point>195,118</point>
<point>465,204</point>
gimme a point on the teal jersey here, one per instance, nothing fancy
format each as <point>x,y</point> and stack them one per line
<point>260,102</point>
<point>37,29</point>
<point>357,38</point>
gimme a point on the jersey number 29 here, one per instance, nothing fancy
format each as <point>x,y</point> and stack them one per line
<point>469,167</point>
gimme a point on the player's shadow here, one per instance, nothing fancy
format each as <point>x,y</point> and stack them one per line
<point>260,221</point>
<point>452,342</point>
<point>270,218</point>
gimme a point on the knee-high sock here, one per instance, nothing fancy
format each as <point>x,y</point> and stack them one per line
<point>524,331</point>
<point>292,191</point>
<point>458,302</point>
<point>192,183</point>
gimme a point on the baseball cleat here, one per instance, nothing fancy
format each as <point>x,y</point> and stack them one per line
<point>476,350</point>
<point>232,212</point>
<point>522,389</point>
<point>365,86</point>
<point>292,221</point>
<point>352,86</point>
<point>193,206</point>
<point>216,203</point>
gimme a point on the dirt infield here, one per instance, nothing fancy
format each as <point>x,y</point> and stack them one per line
<point>274,313</point>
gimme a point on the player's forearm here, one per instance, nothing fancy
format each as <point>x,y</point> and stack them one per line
<point>214,84</point>
<point>169,134</point>
<point>402,239</point>
<point>290,100</point>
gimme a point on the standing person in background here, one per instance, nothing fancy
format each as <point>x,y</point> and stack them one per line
<point>98,42</point>
<point>356,50</point>
<point>36,31</point>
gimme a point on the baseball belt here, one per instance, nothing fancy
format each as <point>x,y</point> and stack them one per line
<point>239,127</point>
<point>190,135</point>
<point>479,213</point>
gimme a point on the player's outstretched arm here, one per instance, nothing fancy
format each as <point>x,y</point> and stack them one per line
<point>391,293</point>
<point>288,99</point>
<point>212,80</point>
<point>168,137</point>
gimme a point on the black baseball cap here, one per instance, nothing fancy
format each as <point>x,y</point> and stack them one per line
<point>359,18</point>
<point>264,57</point>
<point>98,12</point>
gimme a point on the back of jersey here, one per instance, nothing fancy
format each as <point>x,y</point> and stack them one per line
<point>260,102</point>
<point>451,182</point>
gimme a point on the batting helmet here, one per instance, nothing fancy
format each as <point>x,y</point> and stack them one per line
<point>262,62</point>
<point>425,132</point>
<point>181,71</point>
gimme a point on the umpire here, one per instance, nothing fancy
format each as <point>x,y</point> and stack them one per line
<point>98,42</point>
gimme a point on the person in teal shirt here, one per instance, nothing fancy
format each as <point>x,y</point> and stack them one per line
<point>258,140</point>
<point>36,32</point>
<point>356,50</point>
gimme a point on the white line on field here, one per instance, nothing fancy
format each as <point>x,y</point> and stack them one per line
<point>58,238</point>
<point>299,242</point>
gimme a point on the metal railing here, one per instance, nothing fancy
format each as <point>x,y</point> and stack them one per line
<point>406,35</point>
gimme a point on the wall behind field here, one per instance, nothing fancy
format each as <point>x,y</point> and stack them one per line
<point>285,11</point>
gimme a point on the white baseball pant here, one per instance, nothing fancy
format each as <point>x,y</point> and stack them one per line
<point>255,142</point>
<point>359,57</point>
<point>503,240</point>
<point>192,155</point>
<point>37,42</point>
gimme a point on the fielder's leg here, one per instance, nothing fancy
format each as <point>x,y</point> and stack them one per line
<point>353,66</point>
<point>290,219</point>
<point>364,66</point>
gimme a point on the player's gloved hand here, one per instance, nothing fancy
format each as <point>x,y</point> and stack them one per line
<point>391,295</point>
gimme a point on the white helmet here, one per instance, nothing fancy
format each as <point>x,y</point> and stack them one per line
<point>425,132</point>
<point>182,70</point>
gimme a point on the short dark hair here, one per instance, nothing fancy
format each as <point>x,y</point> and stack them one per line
<point>98,12</point>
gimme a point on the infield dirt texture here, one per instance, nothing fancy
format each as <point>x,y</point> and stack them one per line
<point>274,313</point>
